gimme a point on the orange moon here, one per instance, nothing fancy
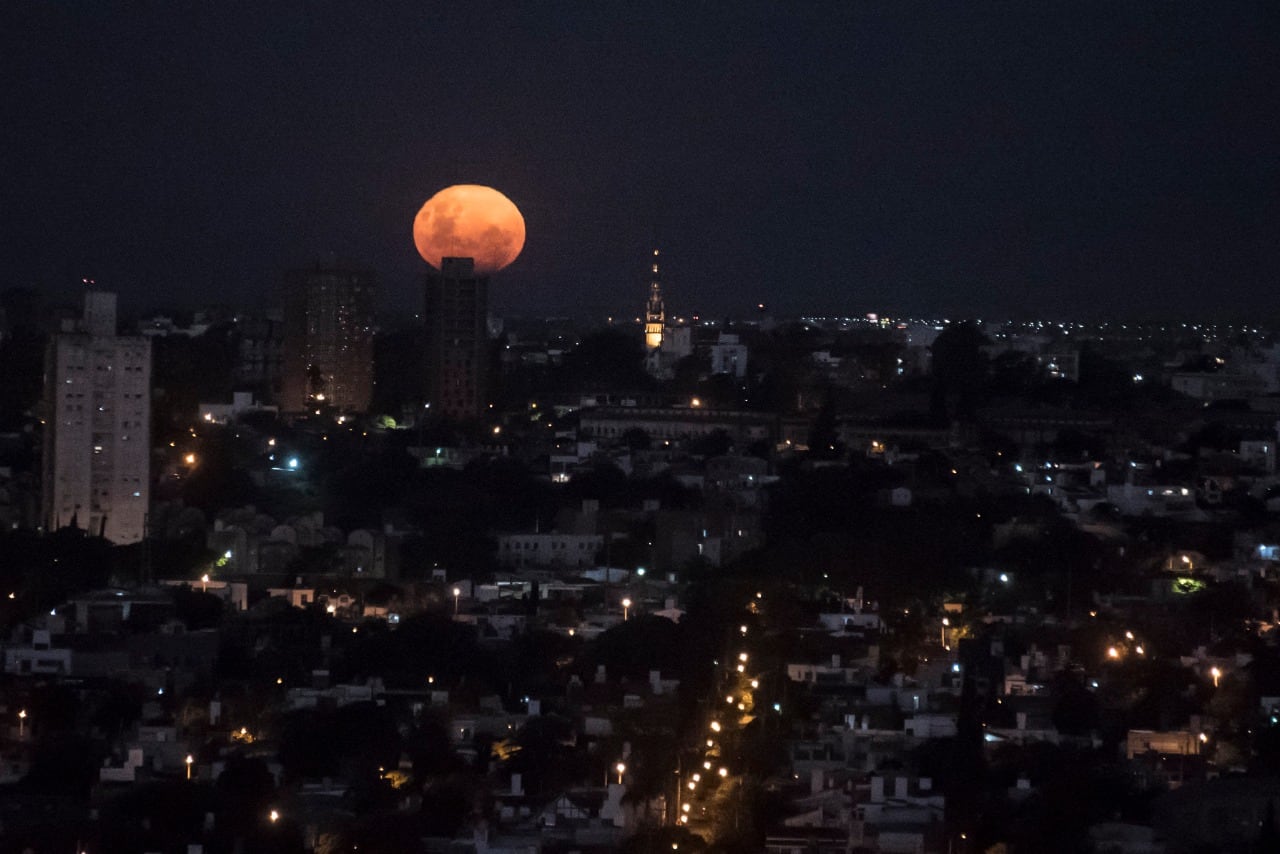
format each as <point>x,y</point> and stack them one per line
<point>469,221</point>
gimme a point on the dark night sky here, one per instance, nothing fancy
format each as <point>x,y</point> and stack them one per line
<point>1066,159</point>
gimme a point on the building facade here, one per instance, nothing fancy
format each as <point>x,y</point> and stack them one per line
<point>328,339</point>
<point>457,338</point>
<point>96,464</point>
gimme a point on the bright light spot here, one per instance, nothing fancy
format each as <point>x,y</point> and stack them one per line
<point>293,463</point>
<point>723,772</point>
<point>189,459</point>
<point>715,726</point>
<point>1112,652</point>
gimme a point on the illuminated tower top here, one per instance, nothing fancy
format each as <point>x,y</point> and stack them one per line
<point>655,315</point>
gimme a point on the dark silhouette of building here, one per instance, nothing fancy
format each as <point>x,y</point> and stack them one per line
<point>457,339</point>
<point>328,339</point>
<point>259,356</point>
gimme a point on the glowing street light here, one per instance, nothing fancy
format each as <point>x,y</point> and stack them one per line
<point>22,722</point>
<point>621,768</point>
<point>204,583</point>
<point>1216,673</point>
<point>945,622</point>
<point>190,760</point>
<point>723,772</point>
<point>1113,653</point>
<point>715,726</point>
<point>457,592</point>
<point>626,609</point>
<point>274,815</point>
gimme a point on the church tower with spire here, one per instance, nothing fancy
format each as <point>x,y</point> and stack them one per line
<point>655,315</point>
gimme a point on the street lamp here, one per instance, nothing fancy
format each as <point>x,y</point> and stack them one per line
<point>621,768</point>
<point>456,593</point>
<point>190,760</point>
<point>945,622</point>
<point>204,583</point>
<point>274,815</point>
<point>1216,674</point>
<point>22,723</point>
<point>626,609</point>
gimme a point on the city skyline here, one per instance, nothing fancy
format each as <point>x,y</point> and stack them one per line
<point>964,161</point>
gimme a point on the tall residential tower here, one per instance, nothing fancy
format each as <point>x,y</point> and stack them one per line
<point>328,339</point>
<point>457,336</point>
<point>97,440</point>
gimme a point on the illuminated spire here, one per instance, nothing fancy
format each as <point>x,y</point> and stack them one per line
<point>655,314</point>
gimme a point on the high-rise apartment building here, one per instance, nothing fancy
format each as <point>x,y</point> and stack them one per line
<point>328,339</point>
<point>457,339</point>
<point>97,439</point>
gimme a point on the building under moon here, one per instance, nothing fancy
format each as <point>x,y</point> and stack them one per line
<point>456,312</point>
<point>465,232</point>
